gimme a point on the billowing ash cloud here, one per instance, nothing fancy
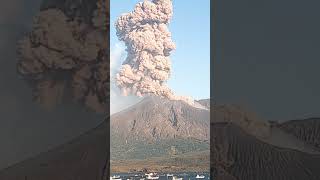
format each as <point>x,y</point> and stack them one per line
<point>148,41</point>
<point>66,56</point>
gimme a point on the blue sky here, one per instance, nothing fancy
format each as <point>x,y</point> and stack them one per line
<point>190,28</point>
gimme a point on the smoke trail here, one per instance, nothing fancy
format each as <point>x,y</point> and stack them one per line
<point>148,41</point>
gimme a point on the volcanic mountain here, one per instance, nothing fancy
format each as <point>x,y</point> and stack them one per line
<point>162,135</point>
<point>159,128</point>
<point>156,118</point>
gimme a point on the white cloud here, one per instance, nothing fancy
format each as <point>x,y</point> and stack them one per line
<point>117,101</point>
<point>116,57</point>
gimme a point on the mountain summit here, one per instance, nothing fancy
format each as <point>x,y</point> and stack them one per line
<point>156,118</point>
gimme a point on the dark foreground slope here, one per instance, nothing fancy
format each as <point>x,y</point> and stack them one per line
<point>238,152</point>
<point>83,158</point>
<point>242,156</point>
<point>307,130</point>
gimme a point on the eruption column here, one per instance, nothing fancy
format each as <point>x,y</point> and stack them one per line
<point>149,44</point>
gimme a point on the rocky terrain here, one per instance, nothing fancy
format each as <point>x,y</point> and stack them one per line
<point>157,118</point>
<point>246,148</point>
<point>307,130</point>
<point>161,129</point>
<point>243,147</point>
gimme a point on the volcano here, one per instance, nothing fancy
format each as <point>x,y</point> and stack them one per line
<point>160,130</point>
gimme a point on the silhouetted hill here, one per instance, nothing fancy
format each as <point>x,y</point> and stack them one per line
<point>83,158</point>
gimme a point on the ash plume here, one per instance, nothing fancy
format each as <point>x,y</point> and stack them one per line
<point>148,41</point>
<point>66,55</point>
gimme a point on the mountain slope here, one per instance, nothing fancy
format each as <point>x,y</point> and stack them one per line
<point>244,157</point>
<point>81,159</point>
<point>159,128</point>
<point>156,118</point>
<point>307,130</point>
<point>245,148</point>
